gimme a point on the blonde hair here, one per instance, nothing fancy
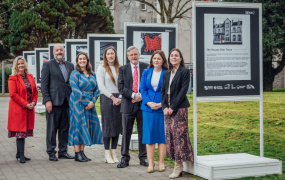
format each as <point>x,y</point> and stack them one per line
<point>15,67</point>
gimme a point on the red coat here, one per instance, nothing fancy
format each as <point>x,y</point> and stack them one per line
<point>17,116</point>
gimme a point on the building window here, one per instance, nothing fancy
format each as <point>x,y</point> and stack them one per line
<point>155,20</point>
<point>227,33</point>
<point>143,5</point>
<point>155,3</point>
<point>234,29</point>
<point>238,29</point>
<point>111,4</point>
<point>143,20</point>
<point>234,37</point>
<point>239,37</point>
<point>227,25</point>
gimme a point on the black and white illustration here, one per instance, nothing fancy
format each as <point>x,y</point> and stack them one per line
<point>104,45</point>
<point>150,42</point>
<point>81,49</point>
<point>227,30</point>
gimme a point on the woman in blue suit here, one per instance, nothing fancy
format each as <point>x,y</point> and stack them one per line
<point>153,118</point>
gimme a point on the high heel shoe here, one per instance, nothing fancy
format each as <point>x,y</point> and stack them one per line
<point>26,158</point>
<point>150,170</point>
<point>22,159</point>
<point>161,169</point>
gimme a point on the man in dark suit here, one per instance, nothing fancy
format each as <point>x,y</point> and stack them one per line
<point>128,85</point>
<point>56,91</point>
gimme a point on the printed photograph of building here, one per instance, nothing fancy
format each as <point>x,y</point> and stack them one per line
<point>227,31</point>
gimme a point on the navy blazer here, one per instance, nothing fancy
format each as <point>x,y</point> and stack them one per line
<point>147,92</point>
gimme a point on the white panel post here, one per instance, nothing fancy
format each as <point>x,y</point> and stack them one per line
<point>194,86</point>
<point>261,82</point>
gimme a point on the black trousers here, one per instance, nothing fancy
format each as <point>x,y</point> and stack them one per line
<point>57,122</point>
<point>127,127</point>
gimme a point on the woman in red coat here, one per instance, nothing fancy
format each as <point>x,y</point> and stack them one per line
<point>23,98</point>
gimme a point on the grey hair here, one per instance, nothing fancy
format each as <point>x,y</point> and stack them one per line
<point>15,63</point>
<point>130,48</point>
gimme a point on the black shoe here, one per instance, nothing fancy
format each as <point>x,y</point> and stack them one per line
<point>79,157</point>
<point>52,157</point>
<point>26,158</point>
<point>65,156</point>
<point>143,162</point>
<point>123,164</point>
<point>22,159</point>
<point>84,156</point>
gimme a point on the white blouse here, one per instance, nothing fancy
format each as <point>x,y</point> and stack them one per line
<point>155,79</point>
<point>170,80</point>
<point>106,85</point>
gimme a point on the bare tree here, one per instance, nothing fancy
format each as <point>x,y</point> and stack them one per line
<point>168,10</point>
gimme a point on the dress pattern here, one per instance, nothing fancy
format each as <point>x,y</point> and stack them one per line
<point>84,124</point>
<point>29,132</point>
<point>178,145</point>
<point>111,116</point>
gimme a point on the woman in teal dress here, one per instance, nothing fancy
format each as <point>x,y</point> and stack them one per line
<point>84,129</point>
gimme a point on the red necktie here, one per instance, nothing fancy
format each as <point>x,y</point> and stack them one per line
<point>135,80</point>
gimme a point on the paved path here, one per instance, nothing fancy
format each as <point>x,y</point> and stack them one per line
<point>41,168</point>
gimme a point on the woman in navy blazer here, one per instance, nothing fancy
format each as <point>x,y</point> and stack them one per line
<point>153,118</point>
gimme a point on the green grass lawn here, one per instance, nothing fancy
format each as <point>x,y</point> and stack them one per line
<point>233,127</point>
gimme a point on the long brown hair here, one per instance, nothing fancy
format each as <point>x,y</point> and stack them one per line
<point>116,64</point>
<point>88,65</point>
<point>182,60</point>
<point>164,63</point>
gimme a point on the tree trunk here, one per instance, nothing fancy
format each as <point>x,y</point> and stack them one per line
<point>268,76</point>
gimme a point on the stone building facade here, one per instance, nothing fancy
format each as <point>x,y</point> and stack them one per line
<point>133,11</point>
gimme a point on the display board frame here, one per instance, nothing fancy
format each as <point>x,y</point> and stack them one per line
<point>97,44</point>
<point>227,68</point>
<point>40,53</point>
<point>148,37</point>
<point>202,55</point>
<point>73,47</point>
<point>31,67</point>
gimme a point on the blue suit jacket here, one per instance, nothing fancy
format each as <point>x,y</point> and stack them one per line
<point>147,92</point>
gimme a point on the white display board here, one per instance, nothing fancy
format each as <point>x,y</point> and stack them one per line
<point>42,55</point>
<point>97,43</point>
<point>227,54</point>
<point>31,61</point>
<point>150,37</point>
<point>73,47</point>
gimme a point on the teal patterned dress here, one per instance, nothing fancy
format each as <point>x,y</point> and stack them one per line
<point>84,124</point>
